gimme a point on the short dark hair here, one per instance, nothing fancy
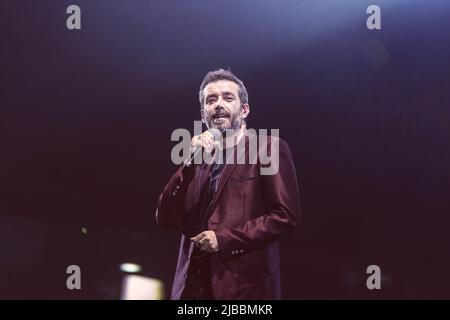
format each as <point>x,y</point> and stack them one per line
<point>221,74</point>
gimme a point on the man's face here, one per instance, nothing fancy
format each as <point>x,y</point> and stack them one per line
<point>222,106</point>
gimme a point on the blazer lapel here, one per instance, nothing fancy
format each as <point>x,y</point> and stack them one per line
<point>228,170</point>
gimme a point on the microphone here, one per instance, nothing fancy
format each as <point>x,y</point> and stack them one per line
<point>216,134</point>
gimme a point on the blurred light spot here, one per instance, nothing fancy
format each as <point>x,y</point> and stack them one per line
<point>141,288</point>
<point>130,267</point>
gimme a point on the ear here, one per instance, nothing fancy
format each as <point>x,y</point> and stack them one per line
<point>245,110</point>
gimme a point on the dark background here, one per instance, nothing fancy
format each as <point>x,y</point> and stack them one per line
<point>86,118</point>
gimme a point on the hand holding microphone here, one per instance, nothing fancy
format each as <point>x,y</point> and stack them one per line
<point>208,140</point>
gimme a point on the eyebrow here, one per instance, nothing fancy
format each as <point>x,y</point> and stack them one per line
<point>226,93</point>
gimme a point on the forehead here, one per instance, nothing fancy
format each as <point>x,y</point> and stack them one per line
<point>218,87</point>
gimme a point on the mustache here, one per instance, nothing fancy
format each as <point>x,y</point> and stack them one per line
<point>217,114</point>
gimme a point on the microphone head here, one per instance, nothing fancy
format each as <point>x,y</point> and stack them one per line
<point>217,134</point>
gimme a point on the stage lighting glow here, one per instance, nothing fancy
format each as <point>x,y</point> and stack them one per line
<point>141,288</point>
<point>130,267</point>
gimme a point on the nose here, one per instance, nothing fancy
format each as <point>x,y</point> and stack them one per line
<point>219,104</point>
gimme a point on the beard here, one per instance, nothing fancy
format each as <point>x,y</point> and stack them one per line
<point>223,120</point>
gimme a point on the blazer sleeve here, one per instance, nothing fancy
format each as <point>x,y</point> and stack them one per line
<point>282,202</point>
<point>171,201</point>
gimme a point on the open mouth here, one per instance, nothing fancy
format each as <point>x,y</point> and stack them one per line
<point>220,117</point>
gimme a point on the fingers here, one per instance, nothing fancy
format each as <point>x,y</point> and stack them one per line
<point>201,241</point>
<point>207,141</point>
<point>198,237</point>
<point>206,241</point>
<point>204,245</point>
<point>196,142</point>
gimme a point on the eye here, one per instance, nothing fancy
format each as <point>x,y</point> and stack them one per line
<point>229,98</point>
<point>210,100</point>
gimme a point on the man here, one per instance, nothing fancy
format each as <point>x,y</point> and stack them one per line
<point>231,215</point>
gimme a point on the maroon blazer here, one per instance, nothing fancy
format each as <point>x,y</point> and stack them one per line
<point>250,212</point>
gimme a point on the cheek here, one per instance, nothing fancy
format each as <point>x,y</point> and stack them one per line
<point>209,112</point>
<point>236,108</point>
